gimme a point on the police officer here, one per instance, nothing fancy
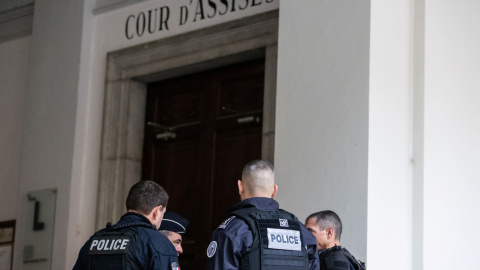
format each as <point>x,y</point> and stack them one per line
<point>173,226</point>
<point>257,234</point>
<point>326,226</point>
<point>134,242</point>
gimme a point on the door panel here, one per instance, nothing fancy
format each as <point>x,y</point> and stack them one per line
<point>235,148</point>
<point>217,120</point>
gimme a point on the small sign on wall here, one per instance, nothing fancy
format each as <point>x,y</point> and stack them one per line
<point>7,236</point>
<point>38,229</point>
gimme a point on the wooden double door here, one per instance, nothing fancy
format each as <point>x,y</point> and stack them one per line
<point>203,129</point>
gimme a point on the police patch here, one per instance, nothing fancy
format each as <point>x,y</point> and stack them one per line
<point>109,244</point>
<point>212,248</point>
<point>225,223</point>
<point>283,222</point>
<point>284,239</point>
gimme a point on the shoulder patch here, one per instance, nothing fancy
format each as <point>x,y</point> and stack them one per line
<point>175,266</point>
<point>283,222</point>
<point>226,222</point>
<point>212,248</point>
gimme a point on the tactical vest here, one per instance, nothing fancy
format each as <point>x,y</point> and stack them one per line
<point>338,258</point>
<point>112,247</point>
<point>277,240</point>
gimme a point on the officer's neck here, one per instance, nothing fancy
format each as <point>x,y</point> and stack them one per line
<point>149,217</point>
<point>245,196</point>
<point>334,243</point>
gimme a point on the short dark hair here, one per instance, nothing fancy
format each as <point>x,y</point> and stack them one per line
<point>146,195</point>
<point>326,219</point>
<point>251,173</point>
<point>165,232</point>
<point>256,166</point>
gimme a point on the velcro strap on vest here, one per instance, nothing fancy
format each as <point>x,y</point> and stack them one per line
<point>284,262</point>
<point>282,252</point>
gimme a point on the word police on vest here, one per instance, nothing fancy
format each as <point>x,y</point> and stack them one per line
<point>284,239</point>
<point>109,245</point>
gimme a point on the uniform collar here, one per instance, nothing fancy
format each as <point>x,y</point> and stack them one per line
<point>329,250</point>
<point>260,203</point>
<point>130,217</point>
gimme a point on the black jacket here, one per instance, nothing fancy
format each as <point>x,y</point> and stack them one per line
<point>338,258</point>
<point>233,238</point>
<point>150,249</point>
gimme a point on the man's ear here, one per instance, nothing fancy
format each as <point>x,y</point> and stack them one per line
<point>158,211</point>
<point>155,213</point>
<point>240,187</point>
<point>330,232</point>
<point>275,189</point>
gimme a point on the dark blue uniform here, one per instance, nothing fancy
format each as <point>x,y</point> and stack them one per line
<point>150,249</point>
<point>338,258</point>
<point>233,238</point>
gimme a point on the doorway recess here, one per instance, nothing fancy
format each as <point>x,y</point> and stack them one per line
<point>130,70</point>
